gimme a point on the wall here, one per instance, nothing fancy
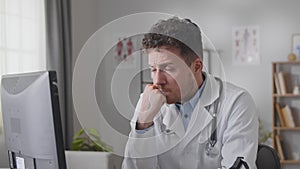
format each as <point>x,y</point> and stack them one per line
<point>276,19</point>
<point>85,18</point>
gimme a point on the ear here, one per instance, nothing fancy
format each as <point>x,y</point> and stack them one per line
<point>197,65</point>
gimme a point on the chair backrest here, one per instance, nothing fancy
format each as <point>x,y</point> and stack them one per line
<point>267,158</point>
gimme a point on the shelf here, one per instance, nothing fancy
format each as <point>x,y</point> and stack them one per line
<point>290,161</point>
<point>282,77</point>
<point>287,62</point>
<point>287,128</point>
<point>286,95</point>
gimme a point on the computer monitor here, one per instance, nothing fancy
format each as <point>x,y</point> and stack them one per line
<point>31,121</point>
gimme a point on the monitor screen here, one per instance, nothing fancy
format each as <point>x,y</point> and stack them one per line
<point>31,121</point>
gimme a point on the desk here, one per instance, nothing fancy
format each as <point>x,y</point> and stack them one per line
<point>91,160</point>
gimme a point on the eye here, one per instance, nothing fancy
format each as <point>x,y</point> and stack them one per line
<point>169,69</point>
<point>152,69</point>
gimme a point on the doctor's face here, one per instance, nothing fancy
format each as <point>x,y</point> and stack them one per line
<point>171,74</point>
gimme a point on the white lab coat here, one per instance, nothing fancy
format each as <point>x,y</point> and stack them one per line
<point>168,146</point>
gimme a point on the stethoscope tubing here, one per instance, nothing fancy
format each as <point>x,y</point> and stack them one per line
<point>214,138</point>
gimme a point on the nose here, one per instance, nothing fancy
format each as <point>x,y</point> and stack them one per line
<point>159,77</point>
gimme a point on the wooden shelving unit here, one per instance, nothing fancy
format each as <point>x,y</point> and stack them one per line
<point>287,128</point>
<point>286,95</point>
<point>284,99</point>
<point>290,161</point>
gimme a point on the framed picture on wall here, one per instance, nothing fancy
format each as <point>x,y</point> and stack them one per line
<point>296,44</point>
<point>246,44</point>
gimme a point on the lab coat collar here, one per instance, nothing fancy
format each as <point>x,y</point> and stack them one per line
<point>210,92</point>
<point>172,121</point>
<point>200,117</point>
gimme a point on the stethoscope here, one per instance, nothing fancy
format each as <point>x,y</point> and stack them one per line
<point>213,137</point>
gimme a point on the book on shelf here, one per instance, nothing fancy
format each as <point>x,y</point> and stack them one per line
<point>288,116</point>
<point>279,147</point>
<point>282,84</point>
<point>277,84</point>
<point>280,115</point>
<point>284,149</point>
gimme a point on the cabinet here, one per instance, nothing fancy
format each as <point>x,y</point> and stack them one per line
<point>286,112</point>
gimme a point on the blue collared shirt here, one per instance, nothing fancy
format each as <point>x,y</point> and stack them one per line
<point>186,109</point>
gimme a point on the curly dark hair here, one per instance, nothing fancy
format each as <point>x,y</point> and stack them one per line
<point>153,40</point>
<point>176,33</point>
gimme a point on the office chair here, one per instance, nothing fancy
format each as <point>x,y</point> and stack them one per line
<point>267,158</point>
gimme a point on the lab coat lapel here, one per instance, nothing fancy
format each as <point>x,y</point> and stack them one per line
<point>173,122</point>
<point>201,117</point>
<point>210,92</point>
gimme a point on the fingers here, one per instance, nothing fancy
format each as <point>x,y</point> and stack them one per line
<point>158,87</point>
<point>152,100</point>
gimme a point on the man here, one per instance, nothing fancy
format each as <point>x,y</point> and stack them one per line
<point>188,119</point>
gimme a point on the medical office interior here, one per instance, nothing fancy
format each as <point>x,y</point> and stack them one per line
<point>272,26</point>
